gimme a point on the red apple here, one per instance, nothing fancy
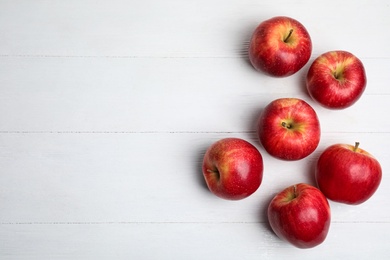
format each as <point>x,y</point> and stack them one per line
<point>280,46</point>
<point>336,79</point>
<point>300,214</point>
<point>289,129</point>
<point>348,174</point>
<point>232,168</point>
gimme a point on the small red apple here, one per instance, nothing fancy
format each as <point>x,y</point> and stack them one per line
<point>347,174</point>
<point>336,79</point>
<point>300,214</point>
<point>232,168</point>
<point>280,46</point>
<point>289,129</point>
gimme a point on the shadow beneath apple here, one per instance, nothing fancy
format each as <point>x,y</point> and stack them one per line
<point>198,168</point>
<point>246,33</point>
<point>254,125</point>
<point>263,214</point>
<point>310,169</point>
<point>244,54</point>
<point>302,78</point>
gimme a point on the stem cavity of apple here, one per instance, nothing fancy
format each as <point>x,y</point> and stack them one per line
<point>288,36</point>
<point>339,73</point>
<point>286,125</point>
<point>215,172</point>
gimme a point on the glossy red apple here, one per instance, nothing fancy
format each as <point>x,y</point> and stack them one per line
<point>280,46</point>
<point>289,129</point>
<point>232,168</point>
<point>348,174</point>
<point>300,214</point>
<point>336,79</point>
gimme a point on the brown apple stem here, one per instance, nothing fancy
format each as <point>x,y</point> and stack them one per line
<point>289,34</point>
<point>293,195</point>
<point>295,191</point>
<point>356,146</point>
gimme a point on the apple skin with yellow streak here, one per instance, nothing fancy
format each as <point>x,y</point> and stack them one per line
<point>289,129</point>
<point>348,174</point>
<point>280,46</point>
<point>232,168</point>
<point>336,79</point>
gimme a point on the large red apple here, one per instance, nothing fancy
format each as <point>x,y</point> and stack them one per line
<point>348,174</point>
<point>301,215</point>
<point>336,79</point>
<point>232,168</point>
<point>280,46</point>
<point>289,129</point>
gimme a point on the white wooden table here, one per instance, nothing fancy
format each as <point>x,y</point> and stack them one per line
<point>107,107</point>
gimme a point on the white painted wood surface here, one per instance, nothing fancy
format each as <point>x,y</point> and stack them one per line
<point>107,107</point>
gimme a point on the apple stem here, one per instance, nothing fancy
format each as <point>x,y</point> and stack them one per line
<point>295,191</point>
<point>288,36</point>
<point>356,146</point>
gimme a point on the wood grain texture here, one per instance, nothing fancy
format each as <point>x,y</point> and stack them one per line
<point>175,241</point>
<point>103,94</point>
<point>107,108</point>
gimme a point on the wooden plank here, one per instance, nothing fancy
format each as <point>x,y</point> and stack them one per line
<point>171,28</point>
<point>178,241</point>
<point>107,108</point>
<point>150,178</point>
<point>148,95</point>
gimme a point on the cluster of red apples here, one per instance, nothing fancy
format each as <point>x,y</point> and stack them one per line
<point>289,129</point>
